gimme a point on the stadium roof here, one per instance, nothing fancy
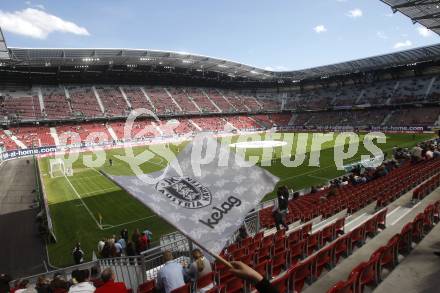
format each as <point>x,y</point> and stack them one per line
<point>4,53</point>
<point>425,12</point>
<point>402,58</point>
<point>133,58</point>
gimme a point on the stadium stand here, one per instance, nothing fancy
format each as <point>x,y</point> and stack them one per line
<point>56,105</point>
<point>84,102</point>
<point>113,101</point>
<point>202,100</point>
<point>184,101</point>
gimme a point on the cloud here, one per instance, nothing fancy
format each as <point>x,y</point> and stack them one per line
<point>399,45</point>
<point>37,24</point>
<point>381,35</point>
<point>39,6</point>
<point>320,29</point>
<point>355,13</point>
<point>424,32</point>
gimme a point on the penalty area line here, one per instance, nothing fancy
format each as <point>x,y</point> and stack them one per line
<point>318,177</point>
<point>83,203</point>
<point>127,223</point>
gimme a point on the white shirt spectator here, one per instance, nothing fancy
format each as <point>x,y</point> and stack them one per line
<point>83,287</point>
<point>429,154</point>
<point>100,246</point>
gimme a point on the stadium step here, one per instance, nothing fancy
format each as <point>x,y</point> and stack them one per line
<point>207,96</point>
<point>125,96</point>
<point>396,219</point>
<point>54,134</point>
<point>101,106</point>
<point>193,102</point>
<point>111,132</point>
<point>148,99</point>
<point>40,99</point>
<point>292,119</point>
<point>15,139</point>
<point>171,97</point>
<point>419,271</point>
<point>229,102</point>
<point>195,125</point>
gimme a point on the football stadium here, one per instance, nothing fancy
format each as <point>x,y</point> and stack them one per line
<point>146,170</point>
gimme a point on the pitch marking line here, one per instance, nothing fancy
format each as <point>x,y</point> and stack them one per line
<point>320,178</point>
<point>326,167</point>
<point>126,223</point>
<point>100,191</point>
<point>84,204</point>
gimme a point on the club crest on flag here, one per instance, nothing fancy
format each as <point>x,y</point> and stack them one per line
<point>186,192</point>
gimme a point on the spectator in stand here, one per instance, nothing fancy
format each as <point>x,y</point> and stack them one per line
<point>78,254</point>
<point>106,250</point>
<point>143,242</point>
<point>110,286</point>
<point>242,233</point>
<point>280,207</point>
<point>124,234</point>
<point>43,285</point>
<point>170,275</point>
<point>246,273</point>
<point>101,244</point>
<point>59,284</point>
<point>23,287</point>
<point>123,243</point>
<point>135,239</point>
<point>416,154</point>
<point>94,277</point>
<point>199,267</point>
<point>82,282</point>
<point>4,283</point>
<point>118,249</point>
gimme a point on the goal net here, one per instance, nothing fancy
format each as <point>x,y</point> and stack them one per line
<point>57,168</point>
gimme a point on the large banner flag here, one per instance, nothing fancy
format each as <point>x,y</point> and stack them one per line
<point>206,192</point>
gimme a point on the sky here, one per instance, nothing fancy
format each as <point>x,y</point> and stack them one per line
<point>275,35</point>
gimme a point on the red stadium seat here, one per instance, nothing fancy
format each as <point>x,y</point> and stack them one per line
<point>281,283</point>
<point>205,281</point>
<point>405,242</point>
<point>279,262</point>
<point>324,259</point>
<point>297,251</point>
<point>184,289</point>
<point>147,287</point>
<point>349,286</point>
<point>301,273</point>
<point>235,285</point>
<point>341,247</point>
<point>367,272</point>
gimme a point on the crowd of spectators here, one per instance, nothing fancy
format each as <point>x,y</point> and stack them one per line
<point>123,245</point>
<point>81,281</point>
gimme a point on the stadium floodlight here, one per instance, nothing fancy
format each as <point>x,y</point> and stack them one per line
<point>89,59</point>
<point>222,66</point>
<point>187,61</point>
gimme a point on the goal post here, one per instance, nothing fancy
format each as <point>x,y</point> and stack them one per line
<point>57,168</point>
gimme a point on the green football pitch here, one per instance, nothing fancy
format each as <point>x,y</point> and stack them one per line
<point>87,206</point>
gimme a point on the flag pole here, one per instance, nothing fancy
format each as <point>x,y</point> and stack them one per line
<point>216,256</point>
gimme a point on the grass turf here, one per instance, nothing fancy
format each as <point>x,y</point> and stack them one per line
<point>77,203</point>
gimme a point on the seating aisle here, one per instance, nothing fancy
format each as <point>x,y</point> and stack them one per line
<point>419,271</point>
<point>400,212</point>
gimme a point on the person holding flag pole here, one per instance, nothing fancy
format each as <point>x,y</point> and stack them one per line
<point>205,193</point>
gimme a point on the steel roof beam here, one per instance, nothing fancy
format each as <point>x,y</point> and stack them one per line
<point>415,3</point>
